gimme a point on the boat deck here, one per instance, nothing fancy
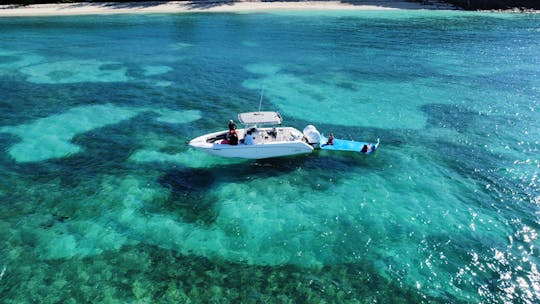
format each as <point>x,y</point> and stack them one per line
<point>264,135</point>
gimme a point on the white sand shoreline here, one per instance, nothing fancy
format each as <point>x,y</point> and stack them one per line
<point>91,8</point>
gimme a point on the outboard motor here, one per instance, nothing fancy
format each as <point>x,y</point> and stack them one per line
<point>312,136</point>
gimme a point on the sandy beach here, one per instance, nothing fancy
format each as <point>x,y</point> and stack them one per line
<point>87,8</point>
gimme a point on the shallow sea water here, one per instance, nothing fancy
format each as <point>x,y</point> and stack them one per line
<point>101,200</point>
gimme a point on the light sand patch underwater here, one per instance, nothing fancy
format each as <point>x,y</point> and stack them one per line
<point>180,46</point>
<point>176,117</point>
<point>365,103</point>
<point>190,158</point>
<point>50,137</point>
<point>296,225</point>
<point>171,150</point>
<point>75,71</point>
<point>152,70</point>
<point>12,60</point>
<point>161,83</point>
<point>295,218</point>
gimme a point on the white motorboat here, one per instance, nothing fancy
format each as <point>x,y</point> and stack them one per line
<point>268,139</point>
<point>264,137</point>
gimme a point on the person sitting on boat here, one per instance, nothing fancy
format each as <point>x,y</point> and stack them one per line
<point>232,125</point>
<point>364,149</point>
<point>248,140</point>
<point>330,141</point>
<point>233,138</point>
<point>272,132</point>
<point>368,148</point>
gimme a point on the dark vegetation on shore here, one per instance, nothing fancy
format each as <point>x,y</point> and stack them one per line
<point>464,4</point>
<point>495,4</point>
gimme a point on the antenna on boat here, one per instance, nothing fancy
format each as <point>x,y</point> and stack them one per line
<point>260,100</point>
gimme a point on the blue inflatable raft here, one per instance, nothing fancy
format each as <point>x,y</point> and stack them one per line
<point>349,145</point>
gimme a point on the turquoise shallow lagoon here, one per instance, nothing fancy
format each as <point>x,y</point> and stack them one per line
<point>101,200</point>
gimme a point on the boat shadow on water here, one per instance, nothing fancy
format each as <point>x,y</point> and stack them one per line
<point>190,188</point>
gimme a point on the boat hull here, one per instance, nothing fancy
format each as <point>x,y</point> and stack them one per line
<point>259,151</point>
<point>292,146</point>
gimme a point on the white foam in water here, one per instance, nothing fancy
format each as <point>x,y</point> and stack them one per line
<point>360,105</point>
<point>75,71</point>
<point>50,137</point>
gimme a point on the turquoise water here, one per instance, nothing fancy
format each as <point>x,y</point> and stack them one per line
<point>102,200</point>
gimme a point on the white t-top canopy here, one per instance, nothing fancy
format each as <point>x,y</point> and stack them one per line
<point>264,118</point>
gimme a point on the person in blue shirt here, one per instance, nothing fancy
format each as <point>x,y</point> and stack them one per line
<point>248,140</point>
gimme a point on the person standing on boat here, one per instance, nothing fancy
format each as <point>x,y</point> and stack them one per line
<point>232,125</point>
<point>232,128</point>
